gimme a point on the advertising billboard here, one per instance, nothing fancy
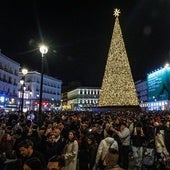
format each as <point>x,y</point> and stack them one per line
<point>159,85</point>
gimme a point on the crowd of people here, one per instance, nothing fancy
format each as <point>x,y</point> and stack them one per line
<point>83,140</point>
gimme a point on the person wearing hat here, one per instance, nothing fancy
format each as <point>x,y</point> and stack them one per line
<point>124,135</point>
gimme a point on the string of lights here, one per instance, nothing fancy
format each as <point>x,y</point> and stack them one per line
<point>118,87</point>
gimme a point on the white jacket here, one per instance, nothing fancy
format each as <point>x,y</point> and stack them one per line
<point>160,144</point>
<point>103,148</point>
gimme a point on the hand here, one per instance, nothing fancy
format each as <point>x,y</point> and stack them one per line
<point>112,129</point>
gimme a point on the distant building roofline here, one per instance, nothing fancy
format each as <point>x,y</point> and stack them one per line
<point>9,58</point>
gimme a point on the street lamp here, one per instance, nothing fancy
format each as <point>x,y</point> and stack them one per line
<point>30,97</point>
<point>23,88</point>
<point>43,49</point>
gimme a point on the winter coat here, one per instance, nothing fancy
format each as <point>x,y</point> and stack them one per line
<point>124,136</point>
<point>137,140</point>
<point>159,143</point>
<point>103,148</point>
<point>71,152</point>
<point>167,138</point>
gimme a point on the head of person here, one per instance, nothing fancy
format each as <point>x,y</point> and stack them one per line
<point>72,135</point>
<point>117,120</point>
<point>6,137</point>
<point>51,138</point>
<point>107,126</point>
<point>42,130</point>
<point>95,127</point>
<point>26,148</point>
<point>138,126</point>
<point>56,132</point>
<point>90,139</point>
<point>56,163</point>
<point>123,125</point>
<point>60,125</point>
<point>32,164</point>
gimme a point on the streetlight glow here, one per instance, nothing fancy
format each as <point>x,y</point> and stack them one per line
<point>43,49</point>
<point>24,71</point>
<point>21,81</point>
<point>166,65</point>
<point>23,87</point>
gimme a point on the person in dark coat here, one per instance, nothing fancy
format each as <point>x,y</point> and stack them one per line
<point>87,152</point>
<point>32,164</point>
<point>13,165</point>
<point>91,151</point>
<point>49,147</point>
<point>27,151</point>
<point>138,139</point>
<point>7,146</point>
<point>96,132</point>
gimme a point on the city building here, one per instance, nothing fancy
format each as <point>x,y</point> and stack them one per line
<point>82,98</point>
<point>154,92</point>
<point>142,93</point>
<point>51,94</point>
<point>9,70</point>
<point>158,83</point>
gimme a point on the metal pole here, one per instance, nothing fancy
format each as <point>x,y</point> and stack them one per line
<point>22,99</point>
<point>41,90</point>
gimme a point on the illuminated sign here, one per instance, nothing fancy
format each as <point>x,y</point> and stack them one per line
<point>159,85</point>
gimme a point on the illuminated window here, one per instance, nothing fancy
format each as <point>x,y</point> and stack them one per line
<point>2,99</point>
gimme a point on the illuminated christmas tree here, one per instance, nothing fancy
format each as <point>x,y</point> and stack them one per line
<point>118,87</point>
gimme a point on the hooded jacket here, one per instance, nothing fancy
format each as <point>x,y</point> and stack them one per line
<point>103,148</point>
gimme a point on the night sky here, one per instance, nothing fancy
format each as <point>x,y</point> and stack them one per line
<point>78,33</point>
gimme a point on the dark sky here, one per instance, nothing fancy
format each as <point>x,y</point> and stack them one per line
<point>78,34</point>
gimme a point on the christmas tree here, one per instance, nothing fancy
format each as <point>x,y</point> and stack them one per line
<point>118,87</point>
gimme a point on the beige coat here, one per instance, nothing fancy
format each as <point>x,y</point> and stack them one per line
<point>160,144</point>
<point>71,153</point>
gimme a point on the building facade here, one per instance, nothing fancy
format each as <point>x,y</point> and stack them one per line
<point>82,98</point>
<point>158,83</point>
<point>51,93</point>
<point>154,92</point>
<point>9,79</point>
<point>142,93</point>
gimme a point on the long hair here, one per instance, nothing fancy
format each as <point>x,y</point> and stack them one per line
<point>6,144</point>
<point>74,136</point>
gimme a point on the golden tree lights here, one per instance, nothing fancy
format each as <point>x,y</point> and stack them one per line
<point>118,87</point>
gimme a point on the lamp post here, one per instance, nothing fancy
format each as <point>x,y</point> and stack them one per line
<point>43,49</point>
<point>30,97</point>
<point>22,82</point>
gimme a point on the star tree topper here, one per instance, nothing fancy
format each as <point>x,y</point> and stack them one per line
<point>116,12</point>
